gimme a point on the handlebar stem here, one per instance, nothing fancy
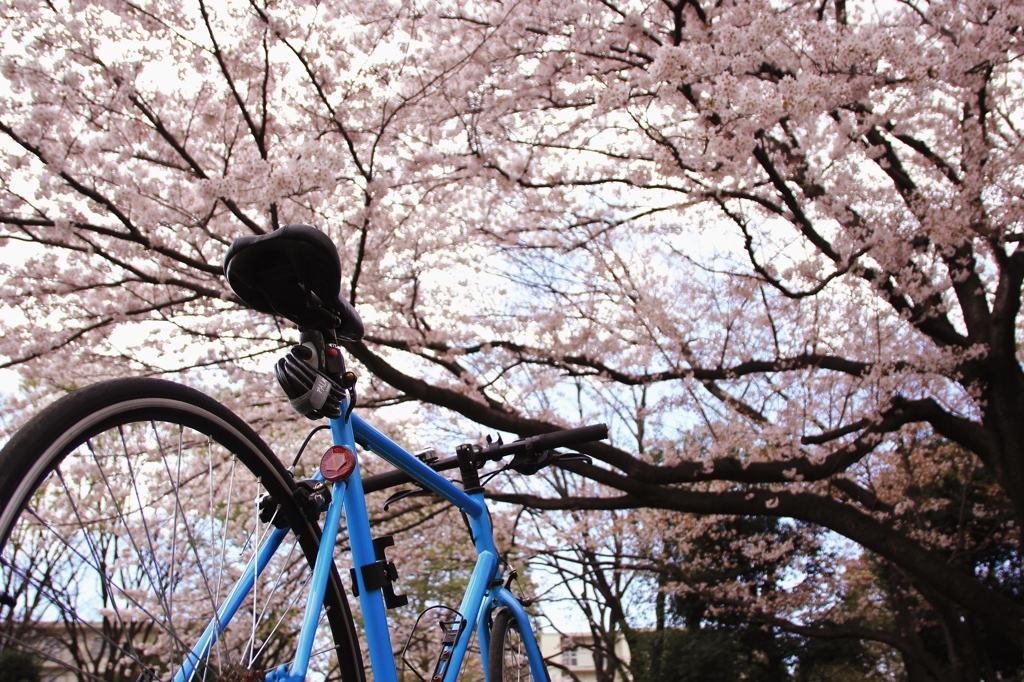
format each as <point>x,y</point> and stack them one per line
<point>467,456</point>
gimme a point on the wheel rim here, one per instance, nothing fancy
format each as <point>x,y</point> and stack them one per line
<point>117,563</point>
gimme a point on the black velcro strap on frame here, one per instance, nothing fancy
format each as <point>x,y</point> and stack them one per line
<point>381,575</point>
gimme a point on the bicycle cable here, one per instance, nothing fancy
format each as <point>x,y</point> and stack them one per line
<point>491,475</point>
<point>302,447</point>
<point>416,626</point>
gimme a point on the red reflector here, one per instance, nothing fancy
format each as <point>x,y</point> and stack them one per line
<point>337,463</point>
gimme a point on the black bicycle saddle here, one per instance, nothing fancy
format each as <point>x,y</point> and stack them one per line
<point>293,272</point>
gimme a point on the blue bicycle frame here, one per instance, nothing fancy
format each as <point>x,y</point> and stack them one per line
<point>484,593</point>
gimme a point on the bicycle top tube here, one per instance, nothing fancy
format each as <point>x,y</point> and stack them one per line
<point>373,440</point>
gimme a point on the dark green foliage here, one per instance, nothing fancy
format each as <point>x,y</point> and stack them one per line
<point>750,653</point>
<point>679,655</point>
<point>821,660</point>
<point>18,666</point>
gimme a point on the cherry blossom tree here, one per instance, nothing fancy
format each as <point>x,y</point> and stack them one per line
<point>851,177</point>
<point>770,243</point>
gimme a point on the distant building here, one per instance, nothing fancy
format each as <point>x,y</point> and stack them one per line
<point>48,644</point>
<point>573,651</point>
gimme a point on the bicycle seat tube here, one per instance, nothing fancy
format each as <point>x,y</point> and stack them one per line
<point>378,637</point>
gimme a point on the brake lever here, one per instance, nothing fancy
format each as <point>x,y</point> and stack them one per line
<point>574,457</point>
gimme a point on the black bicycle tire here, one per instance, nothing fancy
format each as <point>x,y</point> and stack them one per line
<point>503,620</point>
<point>45,440</point>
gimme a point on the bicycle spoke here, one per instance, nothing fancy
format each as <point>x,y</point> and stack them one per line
<point>105,583</point>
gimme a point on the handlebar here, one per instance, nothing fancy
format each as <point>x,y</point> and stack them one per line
<point>543,442</point>
<point>534,445</point>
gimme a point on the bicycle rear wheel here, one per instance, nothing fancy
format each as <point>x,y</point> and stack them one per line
<point>129,510</point>
<point>506,653</point>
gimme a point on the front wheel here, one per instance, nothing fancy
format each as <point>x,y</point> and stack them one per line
<point>506,655</point>
<point>128,510</point>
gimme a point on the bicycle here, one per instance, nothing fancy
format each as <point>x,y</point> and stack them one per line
<point>148,533</point>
